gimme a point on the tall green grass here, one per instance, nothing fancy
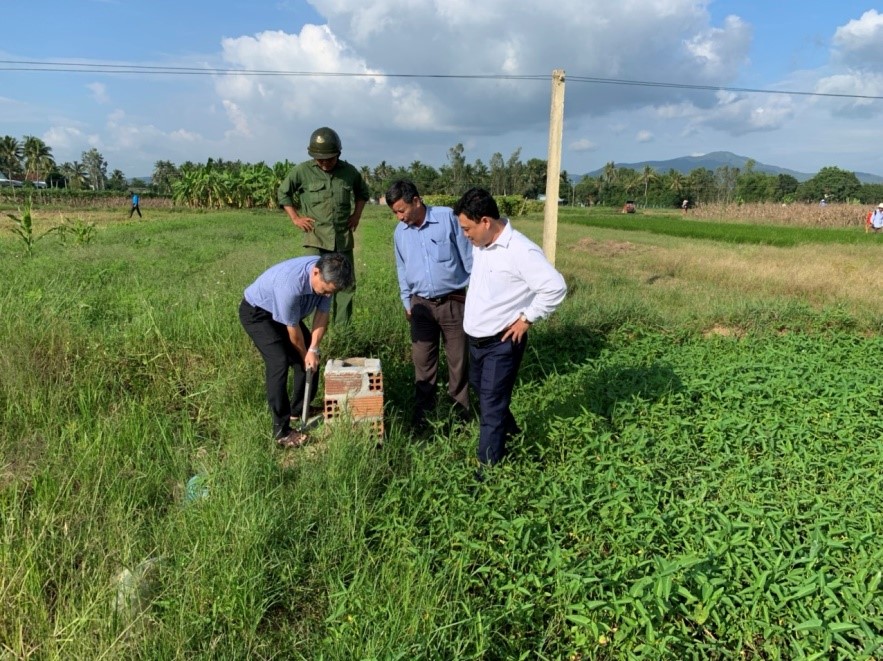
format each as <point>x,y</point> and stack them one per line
<point>674,495</point>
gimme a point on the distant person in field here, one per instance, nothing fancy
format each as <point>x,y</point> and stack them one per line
<point>433,262</point>
<point>685,205</point>
<point>512,286</point>
<point>136,205</point>
<point>331,195</point>
<point>877,218</point>
<point>272,312</point>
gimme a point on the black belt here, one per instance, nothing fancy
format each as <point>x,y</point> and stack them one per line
<point>482,342</point>
<point>457,295</point>
<point>255,307</point>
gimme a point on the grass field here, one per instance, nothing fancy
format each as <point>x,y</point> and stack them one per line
<point>699,477</point>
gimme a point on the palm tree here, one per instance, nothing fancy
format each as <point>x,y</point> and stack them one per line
<point>457,170</point>
<point>164,173</point>
<point>10,156</point>
<point>75,175</point>
<point>700,181</point>
<point>565,184</point>
<point>676,181</point>
<point>37,157</point>
<point>630,181</point>
<point>498,174</point>
<point>608,177</point>
<point>648,174</point>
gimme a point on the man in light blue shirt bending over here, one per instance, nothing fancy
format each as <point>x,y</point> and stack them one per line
<point>433,262</point>
<point>272,312</point>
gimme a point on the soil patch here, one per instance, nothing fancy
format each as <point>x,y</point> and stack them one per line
<point>604,248</point>
<point>723,331</point>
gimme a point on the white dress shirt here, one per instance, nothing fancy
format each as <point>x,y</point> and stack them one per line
<point>510,277</point>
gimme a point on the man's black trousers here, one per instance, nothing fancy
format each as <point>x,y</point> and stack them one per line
<point>272,341</point>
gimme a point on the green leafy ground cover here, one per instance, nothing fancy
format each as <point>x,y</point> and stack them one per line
<point>675,494</point>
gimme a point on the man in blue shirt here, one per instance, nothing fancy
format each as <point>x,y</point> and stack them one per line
<point>136,205</point>
<point>433,262</point>
<point>273,310</point>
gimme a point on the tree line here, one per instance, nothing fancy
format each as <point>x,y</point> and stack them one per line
<point>30,160</point>
<point>219,183</point>
<point>726,184</point>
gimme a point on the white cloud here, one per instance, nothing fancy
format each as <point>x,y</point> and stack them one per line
<point>427,37</point>
<point>385,111</point>
<point>676,110</point>
<point>720,52</point>
<point>273,101</point>
<point>583,144</point>
<point>184,136</point>
<point>239,120</point>
<point>62,138</point>
<point>853,83</point>
<point>859,43</point>
<point>738,114</point>
<point>99,92</point>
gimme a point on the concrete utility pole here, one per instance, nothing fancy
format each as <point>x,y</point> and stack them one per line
<point>553,166</point>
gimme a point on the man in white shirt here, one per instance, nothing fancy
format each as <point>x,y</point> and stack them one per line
<point>877,218</point>
<point>512,285</point>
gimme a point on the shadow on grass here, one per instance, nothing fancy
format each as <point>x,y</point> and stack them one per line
<point>614,385</point>
<point>563,358</point>
<point>559,356</point>
<point>620,389</point>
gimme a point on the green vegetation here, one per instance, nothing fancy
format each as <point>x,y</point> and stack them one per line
<point>220,184</point>
<point>23,228</point>
<point>699,475</point>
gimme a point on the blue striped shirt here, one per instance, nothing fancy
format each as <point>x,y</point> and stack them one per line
<point>284,290</point>
<point>433,259</point>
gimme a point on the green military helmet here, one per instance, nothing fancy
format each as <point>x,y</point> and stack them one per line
<point>324,143</point>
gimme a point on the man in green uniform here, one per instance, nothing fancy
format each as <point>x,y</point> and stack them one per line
<point>324,197</point>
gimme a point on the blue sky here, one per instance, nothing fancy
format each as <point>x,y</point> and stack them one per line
<point>135,119</point>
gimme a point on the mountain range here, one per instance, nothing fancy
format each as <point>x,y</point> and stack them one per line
<point>717,159</point>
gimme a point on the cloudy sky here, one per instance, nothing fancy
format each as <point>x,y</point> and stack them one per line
<point>433,73</point>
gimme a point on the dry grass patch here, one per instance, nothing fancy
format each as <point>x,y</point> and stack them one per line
<point>797,214</point>
<point>723,331</point>
<point>821,275</point>
<point>604,248</point>
<point>45,217</point>
<point>681,273</point>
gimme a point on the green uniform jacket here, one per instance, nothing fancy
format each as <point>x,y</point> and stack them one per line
<point>327,198</point>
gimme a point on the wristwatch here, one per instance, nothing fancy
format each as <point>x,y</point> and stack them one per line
<point>524,318</point>
<point>315,350</point>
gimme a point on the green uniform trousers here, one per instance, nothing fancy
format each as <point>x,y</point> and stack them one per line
<point>342,301</point>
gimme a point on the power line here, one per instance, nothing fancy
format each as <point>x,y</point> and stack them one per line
<point>93,68</point>
<point>716,88</point>
<point>75,67</point>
